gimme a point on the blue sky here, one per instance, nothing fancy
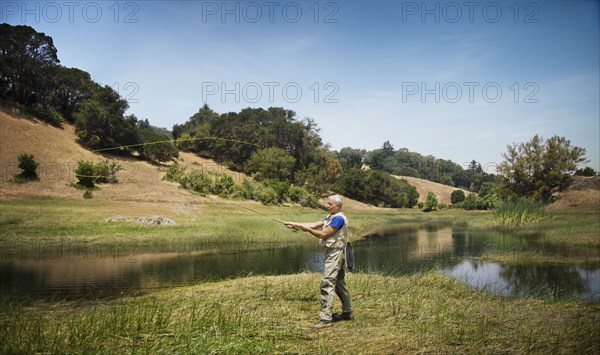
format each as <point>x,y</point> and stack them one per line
<point>456,80</point>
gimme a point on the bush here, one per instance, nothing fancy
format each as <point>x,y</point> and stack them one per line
<point>174,173</point>
<point>106,172</point>
<point>85,173</point>
<point>88,194</point>
<point>302,197</point>
<point>197,181</point>
<point>89,173</point>
<point>267,195</point>
<point>28,168</point>
<point>431,202</point>
<point>248,189</point>
<point>223,186</point>
<point>474,202</point>
<point>457,196</point>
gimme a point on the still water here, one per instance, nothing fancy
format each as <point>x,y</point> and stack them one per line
<point>400,250</point>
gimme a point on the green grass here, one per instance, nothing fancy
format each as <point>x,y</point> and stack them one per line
<point>30,226</point>
<point>424,313</point>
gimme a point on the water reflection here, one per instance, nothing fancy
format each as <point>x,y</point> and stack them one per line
<point>534,280</point>
<point>110,275</point>
<point>411,248</point>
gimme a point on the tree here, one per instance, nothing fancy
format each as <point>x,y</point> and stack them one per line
<point>158,145</point>
<point>350,158</point>
<point>431,202</point>
<point>533,169</point>
<point>71,88</point>
<point>587,171</point>
<point>26,59</point>
<point>271,163</point>
<point>101,122</point>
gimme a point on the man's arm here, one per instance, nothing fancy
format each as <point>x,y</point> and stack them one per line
<point>314,229</point>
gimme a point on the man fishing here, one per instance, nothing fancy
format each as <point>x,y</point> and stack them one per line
<point>332,232</point>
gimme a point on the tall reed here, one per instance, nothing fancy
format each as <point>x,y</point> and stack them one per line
<point>518,213</point>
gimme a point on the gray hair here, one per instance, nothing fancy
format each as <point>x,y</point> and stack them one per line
<point>338,200</point>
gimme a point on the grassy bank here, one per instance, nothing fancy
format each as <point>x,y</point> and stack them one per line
<point>425,313</point>
<point>28,226</point>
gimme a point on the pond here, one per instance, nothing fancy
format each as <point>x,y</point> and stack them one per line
<point>404,249</point>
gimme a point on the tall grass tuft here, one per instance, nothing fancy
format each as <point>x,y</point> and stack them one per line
<point>518,213</point>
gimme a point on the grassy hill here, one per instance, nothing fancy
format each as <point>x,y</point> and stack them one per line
<point>57,152</point>
<point>443,192</point>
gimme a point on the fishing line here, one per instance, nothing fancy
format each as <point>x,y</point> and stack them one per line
<point>121,147</point>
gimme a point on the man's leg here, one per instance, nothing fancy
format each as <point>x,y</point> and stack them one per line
<point>341,290</point>
<point>333,263</point>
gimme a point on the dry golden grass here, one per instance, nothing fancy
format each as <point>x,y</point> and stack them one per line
<point>583,195</point>
<point>443,192</point>
<point>57,152</point>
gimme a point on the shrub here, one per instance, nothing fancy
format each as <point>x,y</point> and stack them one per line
<point>28,168</point>
<point>267,195</point>
<point>470,202</point>
<point>248,189</point>
<point>302,197</point>
<point>431,202</point>
<point>89,173</point>
<point>223,185</point>
<point>174,173</point>
<point>457,196</point>
<point>280,187</point>
<point>198,182</point>
<point>88,194</point>
<point>106,172</point>
<point>474,202</point>
<point>85,173</point>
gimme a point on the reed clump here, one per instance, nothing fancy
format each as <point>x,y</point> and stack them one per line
<point>518,213</point>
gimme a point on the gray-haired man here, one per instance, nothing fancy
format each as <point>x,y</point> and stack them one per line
<point>332,231</point>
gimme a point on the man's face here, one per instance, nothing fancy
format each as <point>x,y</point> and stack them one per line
<point>332,207</point>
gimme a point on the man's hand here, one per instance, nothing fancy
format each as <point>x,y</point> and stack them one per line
<point>291,225</point>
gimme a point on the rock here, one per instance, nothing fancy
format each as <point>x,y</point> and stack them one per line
<point>159,220</point>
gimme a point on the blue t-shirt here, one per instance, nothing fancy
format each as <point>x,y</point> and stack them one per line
<point>337,222</point>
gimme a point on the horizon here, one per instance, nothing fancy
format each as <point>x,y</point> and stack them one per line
<point>457,81</point>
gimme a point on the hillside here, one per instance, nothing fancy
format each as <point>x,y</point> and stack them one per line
<point>583,193</point>
<point>57,153</point>
<point>443,192</point>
